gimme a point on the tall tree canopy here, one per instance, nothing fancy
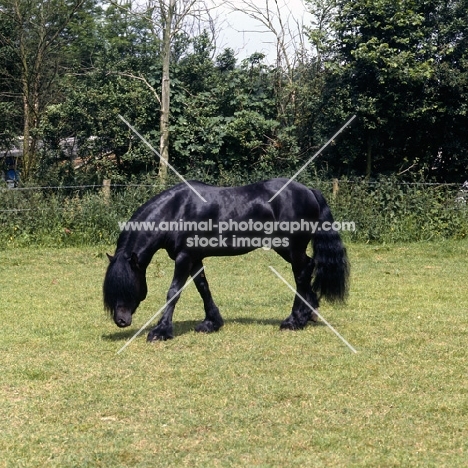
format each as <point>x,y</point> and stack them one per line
<point>35,38</point>
<point>69,67</point>
<point>403,64</point>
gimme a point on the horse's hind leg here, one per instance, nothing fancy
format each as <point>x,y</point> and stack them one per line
<point>312,297</point>
<point>213,320</point>
<point>302,267</point>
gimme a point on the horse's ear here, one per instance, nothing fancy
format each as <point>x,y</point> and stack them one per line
<point>134,261</point>
<point>110,257</point>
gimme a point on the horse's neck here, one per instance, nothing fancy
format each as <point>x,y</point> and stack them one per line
<point>143,246</point>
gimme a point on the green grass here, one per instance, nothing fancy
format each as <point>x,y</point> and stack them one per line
<point>249,395</point>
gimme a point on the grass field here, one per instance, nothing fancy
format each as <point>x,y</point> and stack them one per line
<point>249,395</point>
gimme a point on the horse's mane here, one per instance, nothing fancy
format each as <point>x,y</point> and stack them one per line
<point>119,282</point>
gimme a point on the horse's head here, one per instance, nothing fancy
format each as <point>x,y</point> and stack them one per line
<point>124,288</point>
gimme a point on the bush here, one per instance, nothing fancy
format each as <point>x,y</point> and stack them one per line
<point>389,211</point>
<point>383,211</point>
<point>56,219</point>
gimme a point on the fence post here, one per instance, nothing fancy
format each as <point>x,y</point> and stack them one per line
<point>106,185</point>
<point>336,188</point>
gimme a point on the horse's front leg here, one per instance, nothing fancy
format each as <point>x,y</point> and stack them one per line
<point>213,320</point>
<point>164,328</point>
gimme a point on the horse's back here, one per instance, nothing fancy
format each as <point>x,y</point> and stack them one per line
<point>197,199</point>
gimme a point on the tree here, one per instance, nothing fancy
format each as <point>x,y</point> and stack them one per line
<point>224,116</point>
<point>10,118</point>
<point>110,75</point>
<point>392,60</point>
<point>167,19</point>
<point>320,32</point>
<point>289,37</point>
<point>36,44</point>
<point>290,72</point>
<point>448,114</point>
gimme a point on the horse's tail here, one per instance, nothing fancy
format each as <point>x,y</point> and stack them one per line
<point>331,266</point>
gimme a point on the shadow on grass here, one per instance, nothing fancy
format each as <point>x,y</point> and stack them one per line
<point>188,326</point>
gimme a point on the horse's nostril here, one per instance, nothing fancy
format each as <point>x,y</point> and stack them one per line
<point>122,322</point>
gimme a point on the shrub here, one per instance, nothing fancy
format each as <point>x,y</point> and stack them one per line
<point>389,211</point>
<point>384,211</point>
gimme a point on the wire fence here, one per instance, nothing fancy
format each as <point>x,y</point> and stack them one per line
<point>78,187</point>
<point>106,187</point>
<point>162,186</point>
<point>7,194</point>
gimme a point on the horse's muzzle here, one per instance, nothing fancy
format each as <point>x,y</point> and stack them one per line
<point>123,321</point>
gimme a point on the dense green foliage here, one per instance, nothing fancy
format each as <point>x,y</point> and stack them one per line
<point>402,67</point>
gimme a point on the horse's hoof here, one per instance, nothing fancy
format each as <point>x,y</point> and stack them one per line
<point>152,339</point>
<point>287,325</point>
<point>159,336</point>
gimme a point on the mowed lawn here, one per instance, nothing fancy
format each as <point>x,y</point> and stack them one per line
<point>249,395</point>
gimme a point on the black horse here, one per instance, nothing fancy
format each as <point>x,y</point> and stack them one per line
<point>231,221</point>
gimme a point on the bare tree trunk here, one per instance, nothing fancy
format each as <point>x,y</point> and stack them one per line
<point>31,109</point>
<point>369,158</point>
<point>26,138</point>
<point>168,17</point>
<point>166,91</point>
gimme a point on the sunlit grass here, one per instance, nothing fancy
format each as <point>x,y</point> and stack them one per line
<point>248,395</point>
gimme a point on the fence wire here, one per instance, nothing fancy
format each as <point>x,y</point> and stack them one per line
<point>462,188</point>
